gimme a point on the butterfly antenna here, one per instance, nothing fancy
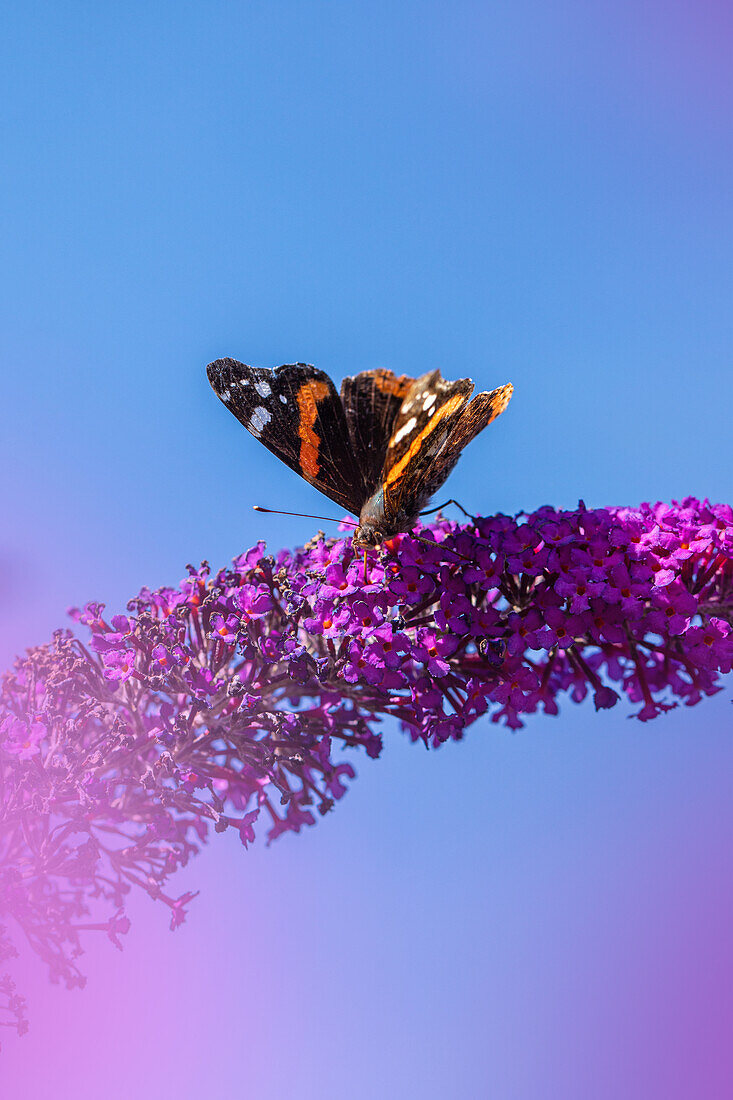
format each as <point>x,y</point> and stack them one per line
<point>303,515</point>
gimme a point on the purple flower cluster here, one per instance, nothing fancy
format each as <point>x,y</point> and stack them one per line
<point>228,701</point>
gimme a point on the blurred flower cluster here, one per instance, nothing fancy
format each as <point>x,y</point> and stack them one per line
<point>229,701</point>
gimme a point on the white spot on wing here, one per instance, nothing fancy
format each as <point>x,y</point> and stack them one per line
<point>283,398</point>
<point>244,382</point>
<point>405,430</point>
<point>263,389</point>
<point>429,401</point>
<point>260,417</point>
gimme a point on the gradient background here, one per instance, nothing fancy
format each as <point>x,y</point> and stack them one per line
<point>501,190</point>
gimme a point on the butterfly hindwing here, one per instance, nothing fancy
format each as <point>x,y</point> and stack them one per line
<point>296,412</point>
<point>372,401</point>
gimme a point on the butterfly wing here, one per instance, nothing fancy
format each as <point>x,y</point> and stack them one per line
<point>435,423</point>
<point>296,412</point>
<point>471,419</point>
<point>372,401</point>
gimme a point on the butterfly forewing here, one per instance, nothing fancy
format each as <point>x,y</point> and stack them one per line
<point>471,419</point>
<point>296,412</point>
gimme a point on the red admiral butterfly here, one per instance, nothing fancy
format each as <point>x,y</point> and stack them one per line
<point>380,449</point>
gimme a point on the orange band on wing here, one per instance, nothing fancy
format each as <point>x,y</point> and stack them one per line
<point>450,406</point>
<point>501,397</point>
<point>386,382</point>
<point>309,394</point>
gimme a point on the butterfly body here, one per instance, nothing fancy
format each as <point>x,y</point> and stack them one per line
<point>379,449</point>
<point>376,524</point>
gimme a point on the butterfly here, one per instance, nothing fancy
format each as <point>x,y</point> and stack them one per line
<point>379,449</point>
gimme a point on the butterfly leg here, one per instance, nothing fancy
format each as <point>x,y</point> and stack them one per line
<point>431,511</point>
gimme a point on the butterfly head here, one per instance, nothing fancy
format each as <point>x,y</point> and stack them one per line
<point>366,537</point>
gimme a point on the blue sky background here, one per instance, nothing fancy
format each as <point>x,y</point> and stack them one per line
<point>527,193</point>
